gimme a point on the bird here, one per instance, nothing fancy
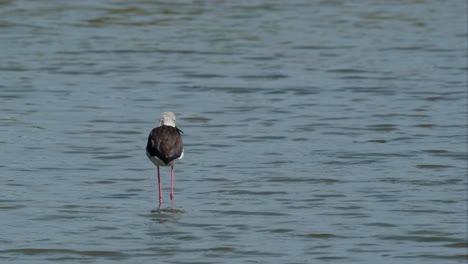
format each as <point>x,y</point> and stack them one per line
<point>165,147</point>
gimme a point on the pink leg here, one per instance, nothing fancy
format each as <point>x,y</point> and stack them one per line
<point>159,188</point>
<point>172,183</point>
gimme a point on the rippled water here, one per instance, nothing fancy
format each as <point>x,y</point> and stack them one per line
<point>315,131</point>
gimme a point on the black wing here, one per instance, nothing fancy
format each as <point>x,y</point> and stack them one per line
<point>165,143</point>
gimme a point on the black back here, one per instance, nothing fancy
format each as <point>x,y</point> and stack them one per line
<point>165,143</point>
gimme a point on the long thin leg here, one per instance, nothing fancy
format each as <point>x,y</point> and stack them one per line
<point>159,188</point>
<point>172,183</point>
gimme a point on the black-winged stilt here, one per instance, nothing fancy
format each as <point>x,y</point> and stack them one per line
<point>164,147</point>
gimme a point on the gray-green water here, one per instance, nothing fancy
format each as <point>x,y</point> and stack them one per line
<point>315,131</point>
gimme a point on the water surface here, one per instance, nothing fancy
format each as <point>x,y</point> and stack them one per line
<point>315,131</point>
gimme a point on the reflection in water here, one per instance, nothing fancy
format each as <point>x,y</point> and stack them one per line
<point>163,215</point>
<point>167,211</point>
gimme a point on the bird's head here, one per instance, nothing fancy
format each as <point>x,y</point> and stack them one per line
<point>167,119</point>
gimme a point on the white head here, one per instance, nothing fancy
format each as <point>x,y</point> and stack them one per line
<point>167,119</point>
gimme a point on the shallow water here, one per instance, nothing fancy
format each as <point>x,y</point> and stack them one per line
<point>315,132</point>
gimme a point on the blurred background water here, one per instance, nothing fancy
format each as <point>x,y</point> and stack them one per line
<point>315,131</point>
